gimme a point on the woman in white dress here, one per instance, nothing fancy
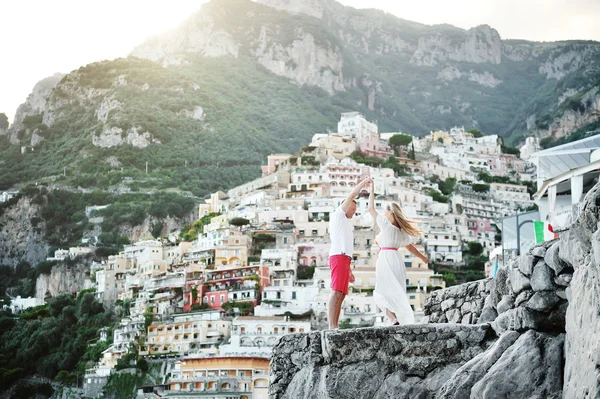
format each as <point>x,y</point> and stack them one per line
<point>390,283</point>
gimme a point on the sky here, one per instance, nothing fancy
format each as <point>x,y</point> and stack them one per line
<point>41,37</point>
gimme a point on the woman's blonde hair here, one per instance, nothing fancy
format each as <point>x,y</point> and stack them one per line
<point>401,222</point>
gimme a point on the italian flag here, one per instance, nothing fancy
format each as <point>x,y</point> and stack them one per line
<point>543,232</point>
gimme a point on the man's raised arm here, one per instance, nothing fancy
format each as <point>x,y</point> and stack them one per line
<point>352,196</point>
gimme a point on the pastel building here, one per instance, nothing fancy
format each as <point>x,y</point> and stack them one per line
<point>186,333</point>
<point>240,377</point>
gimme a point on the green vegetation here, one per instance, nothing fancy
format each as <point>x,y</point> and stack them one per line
<point>475,132</point>
<point>399,140</point>
<point>481,188</point>
<point>437,196</point>
<point>3,121</point>
<point>190,231</point>
<point>446,186</point>
<point>306,272</point>
<point>449,279</point>
<point>239,222</point>
<point>50,339</point>
<point>510,150</point>
<point>391,162</point>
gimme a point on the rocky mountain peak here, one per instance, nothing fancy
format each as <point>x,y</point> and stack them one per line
<point>313,8</point>
<point>34,105</point>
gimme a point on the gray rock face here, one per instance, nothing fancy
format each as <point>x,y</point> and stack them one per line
<point>519,281</point>
<point>531,368</point>
<point>417,362</point>
<point>34,105</point>
<point>582,347</point>
<point>563,280</point>
<point>543,301</point>
<point>523,297</point>
<point>518,319</point>
<point>553,260</point>
<point>21,238</point>
<point>526,263</point>
<point>540,252</point>
<point>541,278</point>
<point>62,279</point>
<point>403,362</point>
<point>507,302</point>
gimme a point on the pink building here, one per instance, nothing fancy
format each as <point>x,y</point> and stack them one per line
<point>273,162</point>
<point>345,173</point>
<point>215,298</point>
<point>373,146</point>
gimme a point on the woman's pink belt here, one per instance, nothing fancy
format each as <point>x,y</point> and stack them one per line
<point>387,249</point>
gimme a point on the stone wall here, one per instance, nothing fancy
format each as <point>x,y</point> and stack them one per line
<point>580,247</point>
<point>530,292</point>
<point>406,361</point>
<point>418,361</point>
<point>458,304</point>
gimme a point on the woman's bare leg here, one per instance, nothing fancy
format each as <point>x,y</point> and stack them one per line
<point>391,316</point>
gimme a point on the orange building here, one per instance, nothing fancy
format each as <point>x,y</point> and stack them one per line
<point>221,377</point>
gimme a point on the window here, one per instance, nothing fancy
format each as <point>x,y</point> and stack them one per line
<point>285,240</point>
<point>212,300</point>
<point>315,232</point>
<point>293,294</point>
<point>301,232</point>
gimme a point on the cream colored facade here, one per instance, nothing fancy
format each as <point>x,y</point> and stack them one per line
<point>233,251</point>
<point>186,336</point>
<point>334,145</point>
<point>221,377</point>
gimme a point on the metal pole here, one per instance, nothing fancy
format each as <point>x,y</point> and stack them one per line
<point>519,234</point>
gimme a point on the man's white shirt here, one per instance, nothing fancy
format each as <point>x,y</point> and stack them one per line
<point>341,234</point>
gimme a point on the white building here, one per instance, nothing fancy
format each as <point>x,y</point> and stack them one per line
<point>253,334</point>
<point>18,304</point>
<point>565,174</point>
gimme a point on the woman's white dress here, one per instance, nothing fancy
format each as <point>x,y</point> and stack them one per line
<point>390,283</point>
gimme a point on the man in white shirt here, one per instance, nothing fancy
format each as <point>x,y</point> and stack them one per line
<point>340,253</point>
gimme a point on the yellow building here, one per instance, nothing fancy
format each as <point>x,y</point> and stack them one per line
<point>445,136</point>
<point>233,251</point>
<point>221,377</point>
<point>186,333</point>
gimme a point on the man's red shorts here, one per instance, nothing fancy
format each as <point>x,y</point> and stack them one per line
<point>340,272</point>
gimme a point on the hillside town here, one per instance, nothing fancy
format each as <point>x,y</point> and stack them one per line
<point>211,308</point>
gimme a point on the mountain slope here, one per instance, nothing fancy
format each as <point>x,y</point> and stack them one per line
<point>411,77</point>
<point>204,104</point>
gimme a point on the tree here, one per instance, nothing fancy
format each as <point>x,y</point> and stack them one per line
<point>475,132</point>
<point>481,188</point>
<point>510,150</point>
<point>239,222</point>
<point>437,196</point>
<point>3,121</point>
<point>449,278</point>
<point>399,140</point>
<point>474,248</point>
<point>411,154</point>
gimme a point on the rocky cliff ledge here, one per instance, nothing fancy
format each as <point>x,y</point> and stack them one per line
<point>537,337</point>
